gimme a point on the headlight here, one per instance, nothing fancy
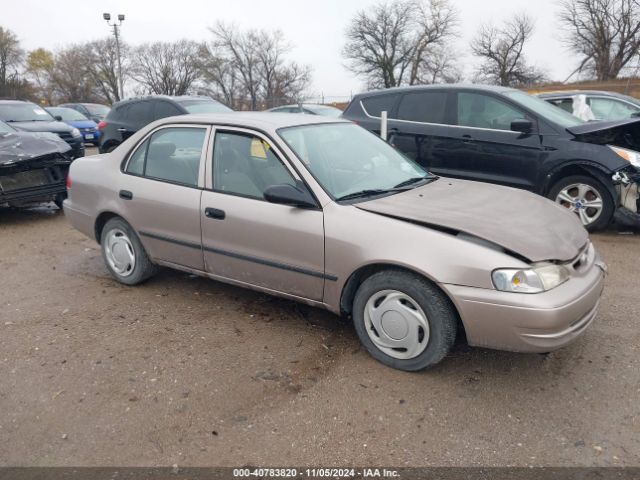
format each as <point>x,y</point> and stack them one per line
<point>532,280</point>
<point>75,132</point>
<point>630,156</point>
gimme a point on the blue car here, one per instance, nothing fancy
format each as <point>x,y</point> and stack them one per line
<point>88,128</point>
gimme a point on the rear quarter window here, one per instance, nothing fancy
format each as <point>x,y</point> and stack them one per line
<point>426,107</point>
<point>374,106</point>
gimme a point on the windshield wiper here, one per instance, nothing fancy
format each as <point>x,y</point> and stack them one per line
<point>414,180</point>
<point>365,193</point>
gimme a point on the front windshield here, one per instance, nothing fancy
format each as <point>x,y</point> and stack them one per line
<point>324,111</point>
<point>345,158</point>
<point>207,106</point>
<point>67,114</point>
<point>97,109</point>
<point>23,112</point>
<point>545,109</point>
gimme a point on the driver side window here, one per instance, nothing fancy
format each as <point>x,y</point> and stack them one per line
<point>484,111</point>
<point>245,165</point>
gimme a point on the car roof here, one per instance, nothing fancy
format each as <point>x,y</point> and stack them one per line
<point>15,102</point>
<point>178,98</point>
<point>448,86</point>
<point>256,120</point>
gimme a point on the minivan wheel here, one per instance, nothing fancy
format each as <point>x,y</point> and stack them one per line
<point>123,253</point>
<point>403,320</point>
<point>586,197</point>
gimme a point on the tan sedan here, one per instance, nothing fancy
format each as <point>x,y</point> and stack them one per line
<point>323,212</point>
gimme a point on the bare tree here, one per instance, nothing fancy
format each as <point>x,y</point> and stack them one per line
<point>501,50</point>
<point>71,77</point>
<point>11,58</point>
<point>249,68</point>
<point>103,66</point>
<point>166,68</point>
<point>392,44</point>
<point>604,33</point>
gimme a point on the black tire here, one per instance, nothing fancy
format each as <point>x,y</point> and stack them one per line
<point>608,203</point>
<point>143,268</point>
<point>441,316</point>
<point>110,148</point>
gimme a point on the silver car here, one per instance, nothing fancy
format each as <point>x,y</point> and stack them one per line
<point>323,212</point>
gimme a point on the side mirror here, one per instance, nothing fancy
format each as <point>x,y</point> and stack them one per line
<point>522,125</point>
<point>58,118</point>
<point>289,195</point>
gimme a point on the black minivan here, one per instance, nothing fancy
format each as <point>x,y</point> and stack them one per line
<point>505,136</point>
<point>128,116</point>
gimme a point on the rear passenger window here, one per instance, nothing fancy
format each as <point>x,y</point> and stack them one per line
<point>165,109</point>
<point>374,106</point>
<point>171,154</point>
<point>136,162</point>
<point>427,107</point>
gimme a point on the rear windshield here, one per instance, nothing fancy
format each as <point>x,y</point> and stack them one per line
<point>97,109</point>
<point>23,112</point>
<point>67,114</point>
<point>545,109</point>
<point>204,106</point>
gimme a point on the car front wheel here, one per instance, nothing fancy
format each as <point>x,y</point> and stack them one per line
<point>123,253</point>
<point>403,320</point>
<point>586,197</point>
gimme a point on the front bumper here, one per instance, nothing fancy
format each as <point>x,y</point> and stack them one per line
<point>531,322</point>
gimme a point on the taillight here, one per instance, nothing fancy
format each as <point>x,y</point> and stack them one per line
<point>68,181</point>
<point>102,124</point>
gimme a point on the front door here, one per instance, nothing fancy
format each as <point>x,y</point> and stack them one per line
<point>248,239</point>
<point>483,146</point>
<point>160,193</point>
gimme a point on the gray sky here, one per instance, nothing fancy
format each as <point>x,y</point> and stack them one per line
<point>315,28</point>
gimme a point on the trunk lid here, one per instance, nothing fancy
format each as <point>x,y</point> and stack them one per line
<point>519,221</point>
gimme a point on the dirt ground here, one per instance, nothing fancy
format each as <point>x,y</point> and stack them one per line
<point>188,371</point>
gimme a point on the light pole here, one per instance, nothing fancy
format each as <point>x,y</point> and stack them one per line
<point>116,33</point>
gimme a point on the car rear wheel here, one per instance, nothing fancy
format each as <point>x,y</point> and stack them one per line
<point>123,253</point>
<point>586,197</point>
<point>403,320</point>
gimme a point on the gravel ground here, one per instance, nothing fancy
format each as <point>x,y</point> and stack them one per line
<point>188,371</point>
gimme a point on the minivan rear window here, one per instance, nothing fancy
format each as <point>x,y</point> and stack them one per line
<point>374,106</point>
<point>427,107</point>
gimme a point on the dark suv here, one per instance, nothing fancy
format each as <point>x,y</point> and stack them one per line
<point>29,117</point>
<point>505,136</point>
<point>129,116</point>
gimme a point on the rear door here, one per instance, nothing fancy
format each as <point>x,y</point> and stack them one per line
<point>160,193</point>
<point>485,148</point>
<point>419,125</point>
<point>248,239</point>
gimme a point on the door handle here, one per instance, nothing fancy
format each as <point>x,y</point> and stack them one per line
<point>214,213</point>
<point>467,139</point>
<point>126,195</point>
<point>122,130</point>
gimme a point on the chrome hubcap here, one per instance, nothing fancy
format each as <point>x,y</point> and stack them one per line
<point>396,324</point>
<point>582,199</point>
<point>119,252</point>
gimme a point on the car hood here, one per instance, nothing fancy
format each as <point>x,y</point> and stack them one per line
<point>596,127</point>
<point>53,126</point>
<point>518,221</point>
<point>18,146</point>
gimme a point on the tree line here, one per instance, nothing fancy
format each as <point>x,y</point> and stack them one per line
<point>392,43</point>
<point>245,69</point>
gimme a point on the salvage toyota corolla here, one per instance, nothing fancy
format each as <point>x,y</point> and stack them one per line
<point>321,211</point>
